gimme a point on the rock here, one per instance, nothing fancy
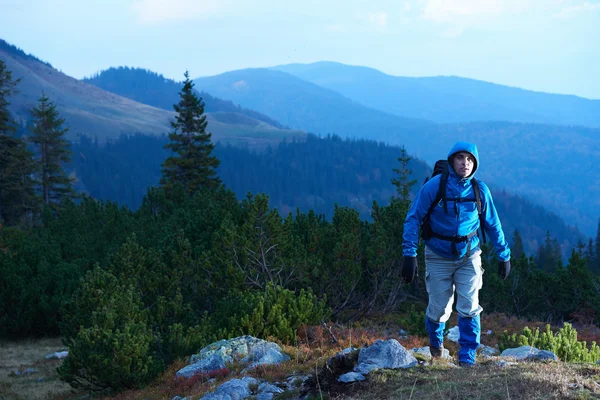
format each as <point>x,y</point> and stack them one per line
<point>351,377</point>
<point>487,351</point>
<point>234,389</point>
<point>425,353</point>
<point>402,333</point>
<point>267,388</point>
<point>295,381</point>
<point>57,356</point>
<point>505,364</point>
<point>453,334</point>
<point>27,371</point>
<point>269,357</point>
<point>528,353</point>
<point>215,362</point>
<point>489,332</point>
<point>236,348</point>
<point>347,350</point>
<point>179,398</point>
<point>384,354</point>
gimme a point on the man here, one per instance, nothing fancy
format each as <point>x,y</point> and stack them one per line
<point>452,253</point>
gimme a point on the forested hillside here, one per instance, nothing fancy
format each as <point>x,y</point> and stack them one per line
<point>312,175</point>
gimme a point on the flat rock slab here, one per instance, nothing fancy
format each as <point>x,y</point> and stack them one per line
<point>351,377</point>
<point>528,353</point>
<point>426,352</point>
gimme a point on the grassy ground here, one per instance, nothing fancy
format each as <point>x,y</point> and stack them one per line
<point>440,380</point>
<point>42,384</point>
<point>486,381</point>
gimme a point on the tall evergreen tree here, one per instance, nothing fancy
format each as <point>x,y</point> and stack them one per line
<point>192,165</point>
<point>53,150</point>
<point>516,248</point>
<point>597,250</point>
<point>402,182</point>
<point>17,195</point>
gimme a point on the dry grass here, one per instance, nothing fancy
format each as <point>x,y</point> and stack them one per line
<point>486,381</point>
<point>314,346</point>
<point>18,356</point>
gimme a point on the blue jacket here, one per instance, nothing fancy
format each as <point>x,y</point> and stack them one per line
<point>454,223</point>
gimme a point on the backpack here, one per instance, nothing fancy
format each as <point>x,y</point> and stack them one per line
<point>441,168</point>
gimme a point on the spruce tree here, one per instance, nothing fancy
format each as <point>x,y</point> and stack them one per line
<point>597,250</point>
<point>402,182</point>
<point>17,195</point>
<point>192,165</point>
<point>53,150</point>
<point>516,247</point>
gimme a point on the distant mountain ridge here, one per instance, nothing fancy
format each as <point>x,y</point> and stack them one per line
<point>548,164</point>
<point>154,89</point>
<point>447,99</point>
<point>304,105</point>
<point>91,111</point>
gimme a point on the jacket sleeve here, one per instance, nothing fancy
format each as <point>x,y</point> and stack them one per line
<point>492,225</point>
<point>416,213</point>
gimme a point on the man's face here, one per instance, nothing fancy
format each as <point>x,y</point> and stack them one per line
<point>463,163</point>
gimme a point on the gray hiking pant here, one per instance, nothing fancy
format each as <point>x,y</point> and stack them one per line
<point>443,276</point>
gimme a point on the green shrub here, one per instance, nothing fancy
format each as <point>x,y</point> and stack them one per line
<point>563,343</point>
<point>113,350</point>
<point>276,312</point>
<point>414,322</point>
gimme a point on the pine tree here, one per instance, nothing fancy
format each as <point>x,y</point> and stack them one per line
<point>192,165</point>
<point>17,195</point>
<point>402,182</point>
<point>47,135</point>
<point>516,247</point>
<point>597,255</point>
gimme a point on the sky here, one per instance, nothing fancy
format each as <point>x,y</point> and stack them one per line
<point>543,45</point>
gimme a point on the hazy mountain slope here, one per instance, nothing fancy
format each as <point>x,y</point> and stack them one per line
<point>89,110</point>
<point>303,105</point>
<point>151,88</point>
<point>447,98</point>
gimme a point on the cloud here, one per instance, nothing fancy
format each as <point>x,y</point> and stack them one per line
<point>379,19</point>
<point>574,11</point>
<point>469,11</point>
<point>156,11</point>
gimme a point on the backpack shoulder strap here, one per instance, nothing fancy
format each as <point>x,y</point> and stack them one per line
<point>441,194</point>
<point>479,204</point>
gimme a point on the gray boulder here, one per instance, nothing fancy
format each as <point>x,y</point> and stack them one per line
<point>351,377</point>
<point>214,362</point>
<point>384,354</point>
<point>528,353</point>
<point>234,389</point>
<point>236,348</point>
<point>265,356</point>
<point>248,350</point>
<point>487,351</point>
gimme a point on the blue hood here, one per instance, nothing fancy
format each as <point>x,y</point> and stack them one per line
<point>469,148</point>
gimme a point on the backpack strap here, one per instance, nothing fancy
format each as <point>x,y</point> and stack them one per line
<point>479,204</point>
<point>441,194</point>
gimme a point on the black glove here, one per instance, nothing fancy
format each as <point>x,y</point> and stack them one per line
<point>503,269</point>
<point>409,268</point>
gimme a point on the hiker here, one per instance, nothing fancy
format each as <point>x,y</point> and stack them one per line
<point>449,216</point>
